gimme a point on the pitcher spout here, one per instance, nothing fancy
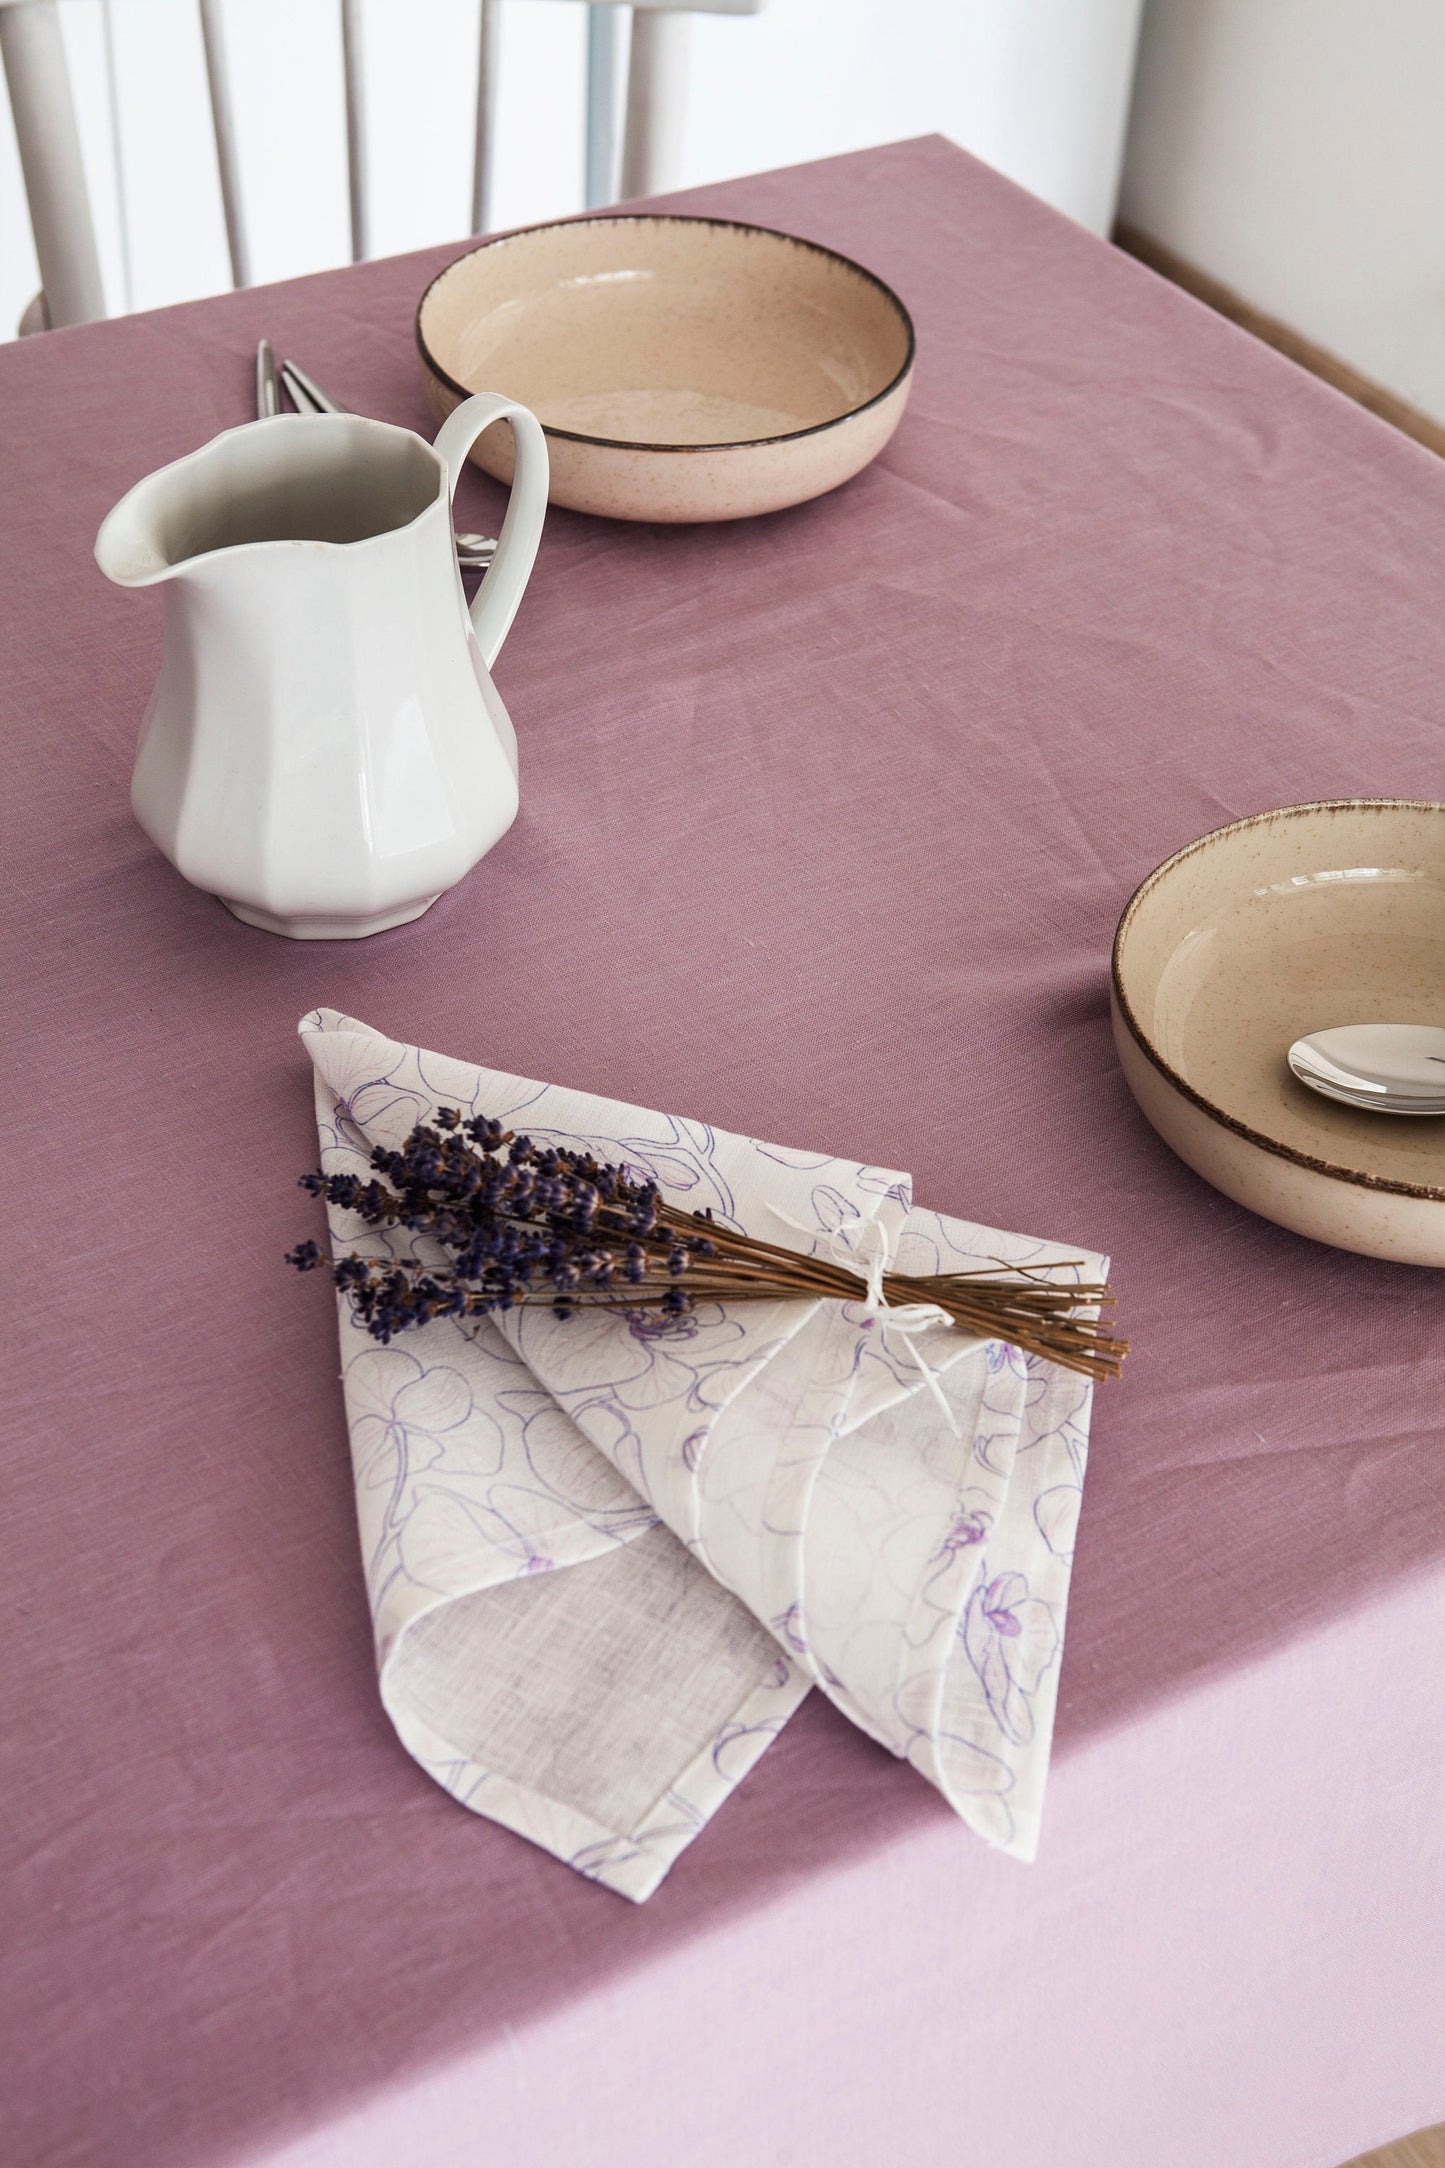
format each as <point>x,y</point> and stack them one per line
<point>133,546</point>
<point>162,525</point>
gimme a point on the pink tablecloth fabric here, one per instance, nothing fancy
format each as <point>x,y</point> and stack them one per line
<point>826,822</point>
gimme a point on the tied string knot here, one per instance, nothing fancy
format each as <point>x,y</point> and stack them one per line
<point>872,1261</point>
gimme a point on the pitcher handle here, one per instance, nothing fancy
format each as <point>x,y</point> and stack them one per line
<point>495,603</point>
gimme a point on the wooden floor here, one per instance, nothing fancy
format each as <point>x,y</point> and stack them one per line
<point>1398,412</point>
<point>1426,2149</point>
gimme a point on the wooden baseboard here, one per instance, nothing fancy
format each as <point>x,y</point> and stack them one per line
<point>1398,412</point>
<point>1425,2150</point>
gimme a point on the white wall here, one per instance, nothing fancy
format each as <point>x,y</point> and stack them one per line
<point>1038,87</point>
<point>1296,150</point>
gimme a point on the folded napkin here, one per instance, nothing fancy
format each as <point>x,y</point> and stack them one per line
<point>608,1555</point>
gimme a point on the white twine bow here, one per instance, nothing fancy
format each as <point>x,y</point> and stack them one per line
<point>903,1318</point>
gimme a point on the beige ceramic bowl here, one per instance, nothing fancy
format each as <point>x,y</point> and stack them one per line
<point>683,368</point>
<point>1263,931</point>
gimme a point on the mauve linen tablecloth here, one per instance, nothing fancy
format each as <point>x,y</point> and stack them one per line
<point>826,822</point>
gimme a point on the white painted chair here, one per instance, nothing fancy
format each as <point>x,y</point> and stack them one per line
<point>33,53</point>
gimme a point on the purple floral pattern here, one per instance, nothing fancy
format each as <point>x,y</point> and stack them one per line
<point>1011,1640</point>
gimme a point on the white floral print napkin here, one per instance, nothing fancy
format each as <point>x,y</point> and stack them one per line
<point>607,1556</point>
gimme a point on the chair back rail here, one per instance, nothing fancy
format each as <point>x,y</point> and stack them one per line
<point>33,53</point>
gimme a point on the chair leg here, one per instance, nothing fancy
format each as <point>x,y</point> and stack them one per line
<point>49,141</point>
<point>656,101</point>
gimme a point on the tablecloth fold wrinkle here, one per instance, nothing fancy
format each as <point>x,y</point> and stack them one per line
<point>608,1555</point>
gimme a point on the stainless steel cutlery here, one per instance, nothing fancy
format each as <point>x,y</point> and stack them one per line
<point>268,392</point>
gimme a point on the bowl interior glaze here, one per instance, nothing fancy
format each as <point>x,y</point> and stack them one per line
<point>1286,924</point>
<point>666,332</point>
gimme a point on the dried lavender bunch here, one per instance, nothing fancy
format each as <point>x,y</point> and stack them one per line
<point>527,1223</point>
<point>519,1222</point>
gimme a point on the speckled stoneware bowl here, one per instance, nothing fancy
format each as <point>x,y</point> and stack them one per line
<point>683,368</point>
<point>1251,937</point>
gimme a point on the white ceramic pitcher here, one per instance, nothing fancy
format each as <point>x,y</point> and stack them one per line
<point>325,750</point>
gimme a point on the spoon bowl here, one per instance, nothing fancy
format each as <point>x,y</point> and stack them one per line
<point>1388,1068</point>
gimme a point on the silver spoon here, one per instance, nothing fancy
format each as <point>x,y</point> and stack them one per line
<point>1385,1068</point>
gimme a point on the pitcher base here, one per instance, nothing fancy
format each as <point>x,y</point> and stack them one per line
<point>313,926</point>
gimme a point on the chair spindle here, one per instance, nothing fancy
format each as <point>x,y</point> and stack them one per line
<point>604,26</point>
<point>656,100</point>
<point>351,60</point>
<point>485,142</point>
<point>223,126</point>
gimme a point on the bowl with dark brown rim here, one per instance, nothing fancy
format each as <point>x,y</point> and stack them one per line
<point>1285,923</point>
<point>683,368</point>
